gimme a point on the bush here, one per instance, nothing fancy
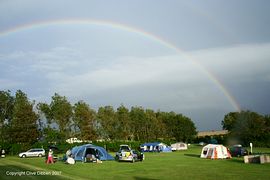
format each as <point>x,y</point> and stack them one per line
<point>15,149</point>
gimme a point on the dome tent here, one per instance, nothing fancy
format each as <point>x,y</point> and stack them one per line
<point>79,153</point>
<point>215,151</point>
<point>179,146</point>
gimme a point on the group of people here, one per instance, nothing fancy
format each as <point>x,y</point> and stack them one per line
<point>69,159</point>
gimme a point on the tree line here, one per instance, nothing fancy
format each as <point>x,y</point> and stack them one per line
<point>247,127</point>
<point>26,122</point>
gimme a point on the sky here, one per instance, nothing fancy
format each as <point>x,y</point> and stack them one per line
<point>203,59</point>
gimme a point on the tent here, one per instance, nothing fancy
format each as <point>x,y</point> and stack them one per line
<point>215,151</point>
<point>79,153</point>
<point>155,147</point>
<point>179,146</point>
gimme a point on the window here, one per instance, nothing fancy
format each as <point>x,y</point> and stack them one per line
<point>205,151</point>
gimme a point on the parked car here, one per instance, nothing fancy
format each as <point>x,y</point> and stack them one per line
<point>237,151</point>
<point>201,143</point>
<point>36,152</point>
<point>125,153</point>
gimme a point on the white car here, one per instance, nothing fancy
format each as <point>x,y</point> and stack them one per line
<point>125,153</point>
<point>36,152</point>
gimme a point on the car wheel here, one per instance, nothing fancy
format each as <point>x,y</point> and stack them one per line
<point>142,157</point>
<point>23,156</point>
<point>40,155</point>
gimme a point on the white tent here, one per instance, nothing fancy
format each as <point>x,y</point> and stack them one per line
<point>179,146</point>
<point>215,151</point>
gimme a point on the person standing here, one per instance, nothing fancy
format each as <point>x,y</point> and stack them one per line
<point>3,153</point>
<point>50,157</point>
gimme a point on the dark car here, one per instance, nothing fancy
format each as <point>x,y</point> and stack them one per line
<point>139,156</point>
<point>238,151</point>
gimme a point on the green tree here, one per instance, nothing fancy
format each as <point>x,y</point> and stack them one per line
<point>84,119</point>
<point>60,112</point>
<point>183,128</point>
<point>266,129</point>
<point>123,118</point>
<point>229,120</point>
<point>52,135</point>
<point>23,126</point>
<point>245,127</point>
<point>137,117</point>
<point>160,131</point>
<point>45,109</point>
<point>166,119</point>
<point>6,110</point>
<point>6,106</point>
<point>107,119</point>
<point>151,126</point>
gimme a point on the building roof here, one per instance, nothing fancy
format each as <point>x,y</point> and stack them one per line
<point>212,133</point>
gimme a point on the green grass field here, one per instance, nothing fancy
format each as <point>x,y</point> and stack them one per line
<point>176,165</point>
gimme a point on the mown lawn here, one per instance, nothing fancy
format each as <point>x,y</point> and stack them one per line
<point>176,165</point>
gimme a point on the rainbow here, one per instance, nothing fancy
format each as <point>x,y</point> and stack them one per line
<point>123,27</point>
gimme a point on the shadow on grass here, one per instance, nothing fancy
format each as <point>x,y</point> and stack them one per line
<point>143,178</point>
<point>237,160</point>
<point>193,155</point>
<point>12,172</point>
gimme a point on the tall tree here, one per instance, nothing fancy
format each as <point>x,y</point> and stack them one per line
<point>123,118</point>
<point>45,109</point>
<point>6,106</point>
<point>167,119</point>
<point>107,119</point>
<point>84,119</point>
<point>245,127</point>
<point>137,117</point>
<point>266,129</point>
<point>62,112</point>
<point>229,120</point>
<point>183,128</point>
<point>23,126</point>
<point>6,110</point>
<point>151,125</point>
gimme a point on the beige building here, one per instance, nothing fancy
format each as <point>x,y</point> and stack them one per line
<point>212,133</point>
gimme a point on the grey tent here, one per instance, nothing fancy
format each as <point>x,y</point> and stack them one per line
<point>179,146</point>
<point>79,153</point>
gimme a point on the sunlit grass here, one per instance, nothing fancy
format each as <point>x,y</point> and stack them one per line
<point>176,165</point>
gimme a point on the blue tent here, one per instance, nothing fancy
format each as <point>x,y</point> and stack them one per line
<point>155,147</point>
<point>80,152</point>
